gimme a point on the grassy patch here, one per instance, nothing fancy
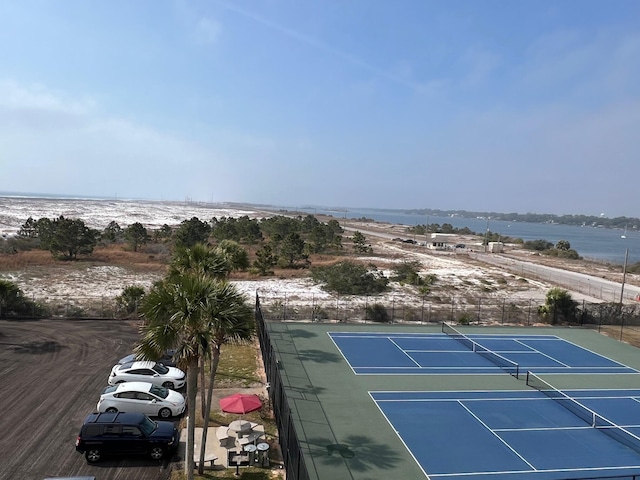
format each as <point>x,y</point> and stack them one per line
<point>238,366</point>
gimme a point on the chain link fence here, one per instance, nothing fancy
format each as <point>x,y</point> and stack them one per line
<point>66,306</point>
<point>617,320</point>
<point>620,321</point>
<point>404,309</point>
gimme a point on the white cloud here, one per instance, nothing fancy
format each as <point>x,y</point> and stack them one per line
<point>37,97</point>
<point>36,108</point>
<point>54,143</point>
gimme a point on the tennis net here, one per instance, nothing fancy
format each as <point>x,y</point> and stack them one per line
<point>504,363</point>
<point>592,418</point>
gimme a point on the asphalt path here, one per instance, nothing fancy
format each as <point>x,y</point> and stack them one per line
<point>51,376</point>
<point>591,286</point>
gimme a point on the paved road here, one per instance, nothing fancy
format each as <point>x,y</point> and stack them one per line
<point>591,286</point>
<point>51,376</point>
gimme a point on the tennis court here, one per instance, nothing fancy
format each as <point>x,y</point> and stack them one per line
<point>453,353</point>
<point>501,434</point>
<point>409,401</point>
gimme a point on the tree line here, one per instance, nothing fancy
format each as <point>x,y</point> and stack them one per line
<point>632,223</point>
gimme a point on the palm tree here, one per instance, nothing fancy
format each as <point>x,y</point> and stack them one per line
<point>195,311</point>
<point>201,259</point>
<point>235,254</point>
<point>231,320</point>
<point>175,316</point>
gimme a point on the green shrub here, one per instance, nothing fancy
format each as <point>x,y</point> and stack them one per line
<point>13,303</point>
<point>130,298</point>
<point>350,278</point>
<point>378,313</point>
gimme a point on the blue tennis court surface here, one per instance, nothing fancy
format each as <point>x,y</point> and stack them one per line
<point>511,434</point>
<point>434,353</point>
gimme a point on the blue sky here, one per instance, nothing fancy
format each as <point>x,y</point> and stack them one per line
<point>481,105</point>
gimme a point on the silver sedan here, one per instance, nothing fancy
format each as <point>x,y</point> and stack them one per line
<point>141,397</point>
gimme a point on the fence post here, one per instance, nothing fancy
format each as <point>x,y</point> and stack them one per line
<point>452,305</point>
<point>599,317</point>
<point>393,308</point>
<point>284,308</point>
<point>366,306</point>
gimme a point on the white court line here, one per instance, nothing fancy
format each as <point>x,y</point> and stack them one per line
<point>497,436</point>
<point>404,352</point>
<point>601,356</point>
<point>544,354</point>
<point>400,437</point>
<point>343,356</point>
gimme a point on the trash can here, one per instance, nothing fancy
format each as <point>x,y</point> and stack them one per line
<point>263,454</point>
<point>252,450</point>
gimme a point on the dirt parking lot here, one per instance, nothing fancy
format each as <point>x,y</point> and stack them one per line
<point>51,376</point>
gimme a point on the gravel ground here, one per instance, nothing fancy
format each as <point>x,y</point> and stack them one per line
<point>52,373</point>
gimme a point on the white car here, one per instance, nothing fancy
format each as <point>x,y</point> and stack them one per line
<point>141,397</point>
<point>152,372</point>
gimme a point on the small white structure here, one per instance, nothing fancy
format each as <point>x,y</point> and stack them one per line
<point>495,247</point>
<point>443,241</point>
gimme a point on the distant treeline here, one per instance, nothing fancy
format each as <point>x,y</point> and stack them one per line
<point>579,220</point>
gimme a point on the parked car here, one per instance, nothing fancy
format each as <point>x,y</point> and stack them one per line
<point>105,434</point>
<point>152,372</point>
<point>141,397</point>
<point>166,358</point>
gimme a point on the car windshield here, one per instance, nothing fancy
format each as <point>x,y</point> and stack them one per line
<point>110,389</point>
<point>159,391</point>
<point>128,359</point>
<point>161,369</point>
<point>148,426</point>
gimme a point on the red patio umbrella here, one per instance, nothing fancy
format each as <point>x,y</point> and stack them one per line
<point>240,403</point>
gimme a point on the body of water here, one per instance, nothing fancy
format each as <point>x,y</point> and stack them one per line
<point>590,242</point>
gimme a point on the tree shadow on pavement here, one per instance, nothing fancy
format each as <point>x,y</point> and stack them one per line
<point>35,347</point>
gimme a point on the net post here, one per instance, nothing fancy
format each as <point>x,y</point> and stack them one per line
<point>528,372</point>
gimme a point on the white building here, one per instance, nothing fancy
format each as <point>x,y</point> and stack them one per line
<point>444,241</point>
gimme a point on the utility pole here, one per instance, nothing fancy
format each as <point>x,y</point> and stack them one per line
<point>426,233</point>
<point>486,237</point>
<point>624,273</point>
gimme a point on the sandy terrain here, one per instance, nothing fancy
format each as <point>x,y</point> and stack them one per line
<point>456,274</point>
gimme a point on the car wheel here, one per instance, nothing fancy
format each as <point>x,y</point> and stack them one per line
<point>164,413</point>
<point>111,410</point>
<point>168,385</point>
<point>157,453</point>
<point>92,455</point>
